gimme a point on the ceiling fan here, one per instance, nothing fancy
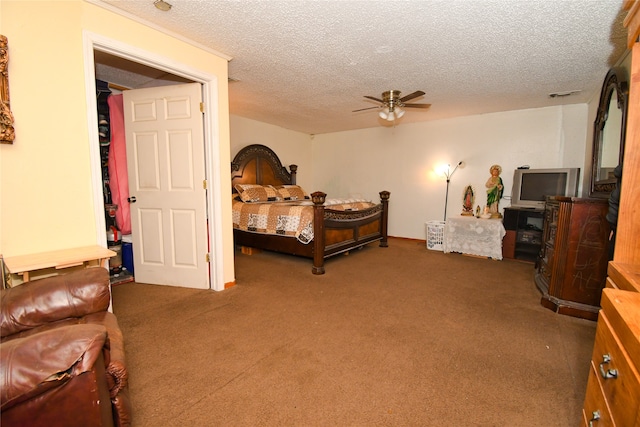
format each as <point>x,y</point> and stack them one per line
<point>392,105</point>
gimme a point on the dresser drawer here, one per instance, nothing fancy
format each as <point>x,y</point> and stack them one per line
<point>624,276</point>
<point>618,379</point>
<point>595,408</point>
<point>611,284</point>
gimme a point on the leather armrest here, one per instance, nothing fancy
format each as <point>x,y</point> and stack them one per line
<point>114,358</point>
<point>43,301</point>
<point>31,365</point>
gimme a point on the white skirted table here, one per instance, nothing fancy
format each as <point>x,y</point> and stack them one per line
<point>474,236</point>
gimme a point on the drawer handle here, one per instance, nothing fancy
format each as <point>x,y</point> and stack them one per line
<point>609,373</point>
<point>595,416</point>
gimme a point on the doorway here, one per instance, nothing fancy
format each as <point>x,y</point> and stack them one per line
<point>126,57</point>
<point>116,79</point>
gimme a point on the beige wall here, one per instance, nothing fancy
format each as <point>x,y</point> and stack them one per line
<point>46,194</point>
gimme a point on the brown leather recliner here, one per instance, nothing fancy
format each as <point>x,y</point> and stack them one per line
<point>62,353</point>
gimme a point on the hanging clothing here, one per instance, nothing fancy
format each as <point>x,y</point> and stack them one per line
<point>102,94</point>
<point>118,175</point>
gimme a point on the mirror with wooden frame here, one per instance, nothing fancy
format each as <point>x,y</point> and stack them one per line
<point>609,133</point>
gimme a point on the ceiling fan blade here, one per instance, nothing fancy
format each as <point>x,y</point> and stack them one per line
<point>375,99</point>
<point>412,95</point>
<point>362,109</point>
<point>417,105</point>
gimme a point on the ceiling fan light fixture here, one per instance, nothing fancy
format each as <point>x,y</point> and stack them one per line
<point>391,105</point>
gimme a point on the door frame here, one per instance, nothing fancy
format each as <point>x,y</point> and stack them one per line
<point>210,96</point>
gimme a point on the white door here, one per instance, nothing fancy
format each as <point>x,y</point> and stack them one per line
<point>165,159</point>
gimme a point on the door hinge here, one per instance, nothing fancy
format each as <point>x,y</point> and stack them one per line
<point>207,258</point>
<point>204,184</point>
<point>202,107</point>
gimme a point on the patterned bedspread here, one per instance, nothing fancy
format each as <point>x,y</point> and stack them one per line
<point>293,219</point>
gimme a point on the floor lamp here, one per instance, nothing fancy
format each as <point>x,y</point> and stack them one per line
<point>448,173</point>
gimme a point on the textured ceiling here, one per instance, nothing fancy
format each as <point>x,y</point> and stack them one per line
<point>306,64</point>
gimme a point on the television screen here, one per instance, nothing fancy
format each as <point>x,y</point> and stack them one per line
<point>531,186</point>
<point>537,186</point>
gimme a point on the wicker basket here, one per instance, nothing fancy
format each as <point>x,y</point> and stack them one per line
<point>435,235</point>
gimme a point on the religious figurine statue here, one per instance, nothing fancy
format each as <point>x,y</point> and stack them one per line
<point>494,190</point>
<point>467,201</point>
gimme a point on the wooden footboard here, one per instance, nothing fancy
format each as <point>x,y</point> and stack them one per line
<point>336,232</point>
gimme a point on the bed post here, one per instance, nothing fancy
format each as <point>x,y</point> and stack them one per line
<point>384,198</point>
<point>294,170</point>
<point>318,199</point>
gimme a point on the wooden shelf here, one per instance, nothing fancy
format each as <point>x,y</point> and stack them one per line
<point>521,231</point>
<point>59,259</point>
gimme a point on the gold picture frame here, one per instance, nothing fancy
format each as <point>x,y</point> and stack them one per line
<point>7,131</point>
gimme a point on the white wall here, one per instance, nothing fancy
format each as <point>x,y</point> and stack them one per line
<point>290,146</point>
<point>403,159</point>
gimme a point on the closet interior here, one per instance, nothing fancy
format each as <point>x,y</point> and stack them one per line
<point>114,75</point>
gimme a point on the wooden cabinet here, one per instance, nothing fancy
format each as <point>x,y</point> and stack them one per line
<point>613,389</point>
<point>572,268</point>
<point>621,308</point>
<point>523,237</point>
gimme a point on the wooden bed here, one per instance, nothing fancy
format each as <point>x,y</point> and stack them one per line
<point>334,231</point>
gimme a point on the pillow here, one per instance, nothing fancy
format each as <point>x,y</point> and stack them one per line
<point>291,192</point>
<point>252,193</point>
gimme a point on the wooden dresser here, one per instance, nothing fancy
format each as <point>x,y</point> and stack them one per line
<point>613,390</point>
<point>572,268</point>
<point>618,398</point>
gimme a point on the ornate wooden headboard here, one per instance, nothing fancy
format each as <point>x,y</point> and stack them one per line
<point>258,164</point>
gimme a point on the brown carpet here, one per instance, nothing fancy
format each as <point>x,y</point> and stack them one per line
<point>397,336</point>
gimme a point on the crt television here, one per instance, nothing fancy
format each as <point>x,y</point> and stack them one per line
<point>530,186</point>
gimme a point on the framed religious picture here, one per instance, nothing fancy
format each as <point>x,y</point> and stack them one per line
<point>468,200</point>
<point>7,131</point>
